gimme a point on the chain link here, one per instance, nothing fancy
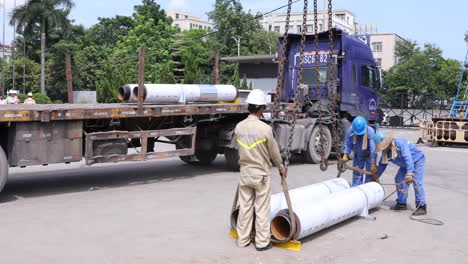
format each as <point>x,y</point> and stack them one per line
<point>318,89</point>
<point>282,60</point>
<point>332,90</point>
<point>296,105</point>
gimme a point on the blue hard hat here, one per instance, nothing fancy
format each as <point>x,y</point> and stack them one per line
<point>379,136</point>
<point>359,125</point>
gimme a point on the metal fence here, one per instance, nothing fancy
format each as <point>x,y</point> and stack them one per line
<point>406,110</point>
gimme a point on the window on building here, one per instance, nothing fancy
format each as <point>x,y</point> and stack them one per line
<point>177,16</point>
<point>177,25</point>
<point>186,17</point>
<point>354,73</point>
<point>378,62</point>
<point>269,27</point>
<point>277,29</point>
<point>290,28</point>
<point>377,46</point>
<point>320,27</point>
<point>191,25</point>
<point>367,76</point>
<point>310,28</point>
<point>299,29</point>
<point>200,27</point>
<point>209,28</point>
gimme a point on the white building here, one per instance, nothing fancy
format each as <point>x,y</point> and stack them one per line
<point>187,21</point>
<point>342,19</point>
<point>6,52</point>
<point>383,48</point>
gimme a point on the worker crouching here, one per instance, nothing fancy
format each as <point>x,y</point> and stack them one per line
<point>411,161</point>
<point>257,146</point>
<point>360,140</point>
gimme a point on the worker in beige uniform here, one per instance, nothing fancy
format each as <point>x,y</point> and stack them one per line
<point>257,148</point>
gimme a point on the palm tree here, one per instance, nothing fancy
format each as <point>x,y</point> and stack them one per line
<point>46,15</point>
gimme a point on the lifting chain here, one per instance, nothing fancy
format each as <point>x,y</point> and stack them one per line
<point>318,89</point>
<point>282,60</point>
<point>332,89</point>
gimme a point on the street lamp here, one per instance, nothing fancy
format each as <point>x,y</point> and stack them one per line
<point>238,44</point>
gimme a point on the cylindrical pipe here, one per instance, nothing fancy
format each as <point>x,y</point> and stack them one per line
<point>185,93</point>
<point>303,195</point>
<point>125,93</point>
<point>329,211</point>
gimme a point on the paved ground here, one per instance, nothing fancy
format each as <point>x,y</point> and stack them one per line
<point>170,212</point>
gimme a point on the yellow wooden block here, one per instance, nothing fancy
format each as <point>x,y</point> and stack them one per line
<point>290,245</point>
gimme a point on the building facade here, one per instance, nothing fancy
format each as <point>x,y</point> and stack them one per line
<point>383,48</point>
<point>186,21</point>
<point>6,52</point>
<point>342,19</point>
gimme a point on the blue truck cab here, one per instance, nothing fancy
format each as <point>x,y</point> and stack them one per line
<point>357,79</point>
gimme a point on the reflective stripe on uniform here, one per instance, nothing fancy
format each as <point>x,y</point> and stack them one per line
<point>251,146</point>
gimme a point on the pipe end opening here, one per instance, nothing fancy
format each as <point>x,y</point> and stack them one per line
<point>281,227</point>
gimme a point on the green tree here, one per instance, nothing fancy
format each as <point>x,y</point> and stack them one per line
<point>31,78</point>
<point>244,85</point>
<point>194,56</point>
<point>421,72</point>
<point>48,14</point>
<point>250,86</point>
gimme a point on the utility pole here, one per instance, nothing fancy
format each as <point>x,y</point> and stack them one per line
<point>3,49</point>
<point>68,73</point>
<point>216,67</point>
<point>238,44</point>
<point>13,47</point>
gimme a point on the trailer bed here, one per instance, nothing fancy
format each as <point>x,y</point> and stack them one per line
<point>49,112</point>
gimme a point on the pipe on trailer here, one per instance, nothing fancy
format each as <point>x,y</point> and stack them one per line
<point>303,195</point>
<point>338,207</point>
<point>186,93</point>
<point>125,93</point>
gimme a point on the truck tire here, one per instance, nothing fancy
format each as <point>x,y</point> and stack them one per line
<point>313,148</point>
<point>3,169</point>
<point>206,151</point>
<point>232,158</point>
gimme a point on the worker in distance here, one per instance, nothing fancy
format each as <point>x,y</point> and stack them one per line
<point>257,148</point>
<point>411,161</point>
<point>360,140</point>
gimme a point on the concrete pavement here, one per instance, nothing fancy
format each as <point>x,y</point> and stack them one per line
<point>169,212</point>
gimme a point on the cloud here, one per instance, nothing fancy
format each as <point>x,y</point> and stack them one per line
<point>180,5</point>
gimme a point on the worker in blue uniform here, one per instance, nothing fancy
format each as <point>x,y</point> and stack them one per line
<point>360,139</point>
<point>411,161</point>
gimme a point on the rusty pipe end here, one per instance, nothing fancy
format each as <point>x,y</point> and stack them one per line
<point>124,93</point>
<point>281,227</point>
<point>135,93</point>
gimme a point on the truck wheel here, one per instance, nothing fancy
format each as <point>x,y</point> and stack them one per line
<point>314,147</point>
<point>3,169</point>
<point>206,151</point>
<point>232,158</point>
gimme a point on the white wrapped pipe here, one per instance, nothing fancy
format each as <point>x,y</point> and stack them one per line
<point>303,195</point>
<point>313,217</point>
<point>185,93</point>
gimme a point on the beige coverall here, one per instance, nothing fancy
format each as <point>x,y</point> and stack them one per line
<point>257,146</point>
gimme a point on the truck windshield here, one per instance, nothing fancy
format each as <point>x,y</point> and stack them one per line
<point>309,76</point>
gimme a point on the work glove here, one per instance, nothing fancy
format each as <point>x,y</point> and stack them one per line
<point>374,168</point>
<point>345,158</point>
<point>409,178</point>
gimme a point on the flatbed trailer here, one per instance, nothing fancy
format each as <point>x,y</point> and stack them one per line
<point>100,133</point>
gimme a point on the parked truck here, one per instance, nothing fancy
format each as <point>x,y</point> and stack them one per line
<point>100,133</point>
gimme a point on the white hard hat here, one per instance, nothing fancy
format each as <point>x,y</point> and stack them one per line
<point>29,94</point>
<point>256,97</point>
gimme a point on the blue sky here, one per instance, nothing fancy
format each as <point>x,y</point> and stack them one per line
<point>439,22</point>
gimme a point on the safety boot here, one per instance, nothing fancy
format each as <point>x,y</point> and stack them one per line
<point>269,246</point>
<point>399,207</point>
<point>422,210</point>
